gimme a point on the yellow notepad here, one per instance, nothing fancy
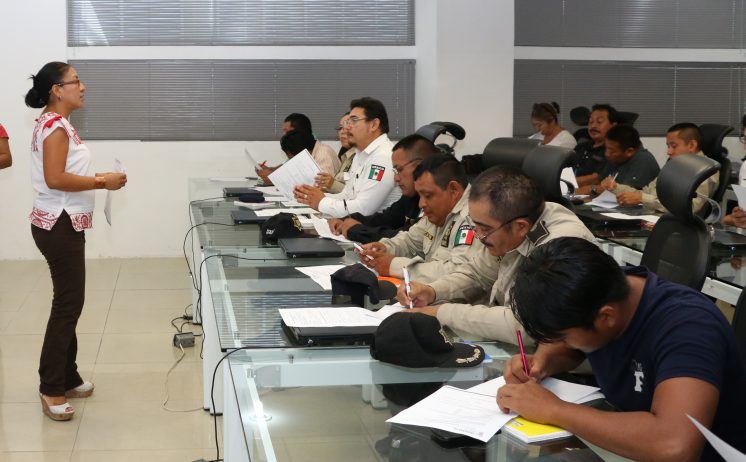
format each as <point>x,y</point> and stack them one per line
<point>531,432</point>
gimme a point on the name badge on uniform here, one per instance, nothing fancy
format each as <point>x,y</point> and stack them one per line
<point>376,172</point>
<point>429,236</point>
<point>464,236</point>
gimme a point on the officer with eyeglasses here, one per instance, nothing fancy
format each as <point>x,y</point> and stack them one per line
<point>511,219</point>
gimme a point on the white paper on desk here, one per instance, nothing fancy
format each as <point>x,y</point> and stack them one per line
<point>229,179</point>
<point>273,212</point>
<point>566,391</point>
<point>269,191</point>
<point>569,176</point>
<point>323,230</point>
<point>740,194</point>
<point>321,275</point>
<point>624,216</point>
<point>306,223</point>
<point>118,168</point>
<point>459,411</point>
<point>274,198</point>
<point>726,451</point>
<point>606,199</point>
<point>343,316</point>
<point>292,203</point>
<point>254,205</point>
<point>300,169</point>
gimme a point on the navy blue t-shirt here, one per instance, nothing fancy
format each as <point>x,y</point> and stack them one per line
<point>675,332</point>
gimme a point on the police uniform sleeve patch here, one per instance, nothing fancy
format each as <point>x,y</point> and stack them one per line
<point>376,172</point>
<point>464,236</point>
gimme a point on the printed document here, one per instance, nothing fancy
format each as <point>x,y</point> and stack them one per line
<point>606,199</point>
<point>323,229</point>
<point>342,316</point>
<point>624,216</point>
<point>273,212</point>
<point>118,168</point>
<point>301,169</point>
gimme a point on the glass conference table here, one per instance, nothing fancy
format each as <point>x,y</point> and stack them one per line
<point>272,416</point>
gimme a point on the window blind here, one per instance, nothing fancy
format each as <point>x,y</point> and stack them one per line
<point>158,100</point>
<point>630,23</point>
<point>662,93</point>
<point>239,22</point>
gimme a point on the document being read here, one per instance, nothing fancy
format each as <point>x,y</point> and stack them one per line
<point>341,316</point>
<point>118,168</point>
<point>606,199</point>
<point>323,229</point>
<point>301,169</point>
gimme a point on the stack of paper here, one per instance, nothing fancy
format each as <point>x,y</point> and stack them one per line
<point>606,199</point>
<point>341,316</point>
<point>624,216</point>
<point>474,412</point>
<point>273,212</point>
<point>323,229</point>
<point>300,169</point>
<point>321,275</point>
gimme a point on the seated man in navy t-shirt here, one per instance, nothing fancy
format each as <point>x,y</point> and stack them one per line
<point>659,351</point>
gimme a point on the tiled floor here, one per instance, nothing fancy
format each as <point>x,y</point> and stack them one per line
<point>124,338</point>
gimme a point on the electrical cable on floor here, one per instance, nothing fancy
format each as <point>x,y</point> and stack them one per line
<point>165,402</point>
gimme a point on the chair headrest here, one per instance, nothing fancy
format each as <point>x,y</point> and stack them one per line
<point>627,118</point>
<point>433,130</point>
<point>678,181</point>
<point>580,115</point>
<point>712,140</point>
<point>544,164</point>
<point>508,151</point>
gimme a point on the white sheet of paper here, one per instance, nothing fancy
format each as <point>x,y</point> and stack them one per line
<point>292,203</point>
<point>726,451</point>
<point>566,391</point>
<point>348,316</point>
<point>323,230</point>
<point>228,179</point>
<point>274,198</point>
<point>306,223</point>
<point>269,191</point>
<point>569,176</point>
<point>321,275</point>
<point>301,169</point>
<point>458,411</point>
<point>740,194</point>
<point>606,199</point>
<point>254,162</point>
<point>273,212</point>
<point>254,205</point>
<point>118,168</point>
<point>624,216</point>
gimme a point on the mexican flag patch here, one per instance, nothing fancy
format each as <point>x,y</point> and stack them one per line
<point>465,235</point>
<point>376,172</point>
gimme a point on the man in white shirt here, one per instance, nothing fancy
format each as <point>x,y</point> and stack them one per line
<point>371,186</point>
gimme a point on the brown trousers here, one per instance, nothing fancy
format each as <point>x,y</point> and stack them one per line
<point>64,250</point>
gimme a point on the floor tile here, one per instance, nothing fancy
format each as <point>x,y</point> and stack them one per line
<point>145,382</point>
<point>23,427</point>
<point>145,425</point>
<point>141,299</point>
<point>154,280</point>
<point>5,318</point>
<point>168,455</point>
<point>19,380</point>
<point>34,321</point>
<point>12,300</point>
<point>57,456</point>
<point>143,348</point>
<point>140,265</point>
<point>146,321</point>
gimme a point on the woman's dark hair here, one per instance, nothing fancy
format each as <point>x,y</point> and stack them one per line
<point>48,76</point>
<point>296,141</point>
<point>546,112</point>
<point>562,285</point>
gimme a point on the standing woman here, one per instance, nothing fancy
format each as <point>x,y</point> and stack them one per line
<point>545,119</point>
<point>63,209</point>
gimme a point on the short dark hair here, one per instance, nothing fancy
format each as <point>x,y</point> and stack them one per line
<point>296,141</point>
<point>626,135</point>
<point>612,113</point>
<point>299,122</point>
<point>547,112</point>
<point>373,109</point>
<point>444,168</point>
<point>49,75</point>
<point>510,192</point>
<point>563,284</point>
<point>416,146</point>
<point>688,132</point>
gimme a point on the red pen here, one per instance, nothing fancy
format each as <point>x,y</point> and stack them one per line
<point>523,353</point>
<point>263,164</point>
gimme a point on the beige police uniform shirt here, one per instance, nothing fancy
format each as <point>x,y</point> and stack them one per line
<point>344,172</point>
<point>496,275</point>
<point>326,158</point>
<point>429,251</point>
<point>650,194</point>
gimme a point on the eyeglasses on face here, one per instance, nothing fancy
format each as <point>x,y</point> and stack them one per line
<point>482,235</point>
<point>353,120</point>
<point>398,170</point>
<point>69,82</point>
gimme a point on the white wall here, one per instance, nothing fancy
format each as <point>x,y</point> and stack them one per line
<point>464,53</point>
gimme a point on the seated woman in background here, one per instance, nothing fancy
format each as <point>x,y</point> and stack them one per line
<point>545,119</point>
<point>5,158</point>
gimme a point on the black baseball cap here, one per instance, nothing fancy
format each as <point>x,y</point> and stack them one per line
<point>280,226</point>
<point>418,340</point>
<point>358,281</point>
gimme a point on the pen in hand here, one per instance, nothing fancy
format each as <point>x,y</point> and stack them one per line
<point>361,250</point>
<point>523,353</point>
<point>407,286</point>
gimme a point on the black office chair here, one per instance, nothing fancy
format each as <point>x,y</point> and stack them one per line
<point>580,116</point>
<point>678,248</point>
<point>433,130</point>
<point>544,164</point>
<point>627,118</point>
<point>508,151</point>
<point>739,324</point>
<point>712,145</point>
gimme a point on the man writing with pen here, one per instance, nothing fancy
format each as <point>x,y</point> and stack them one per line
<point>443,238</point>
